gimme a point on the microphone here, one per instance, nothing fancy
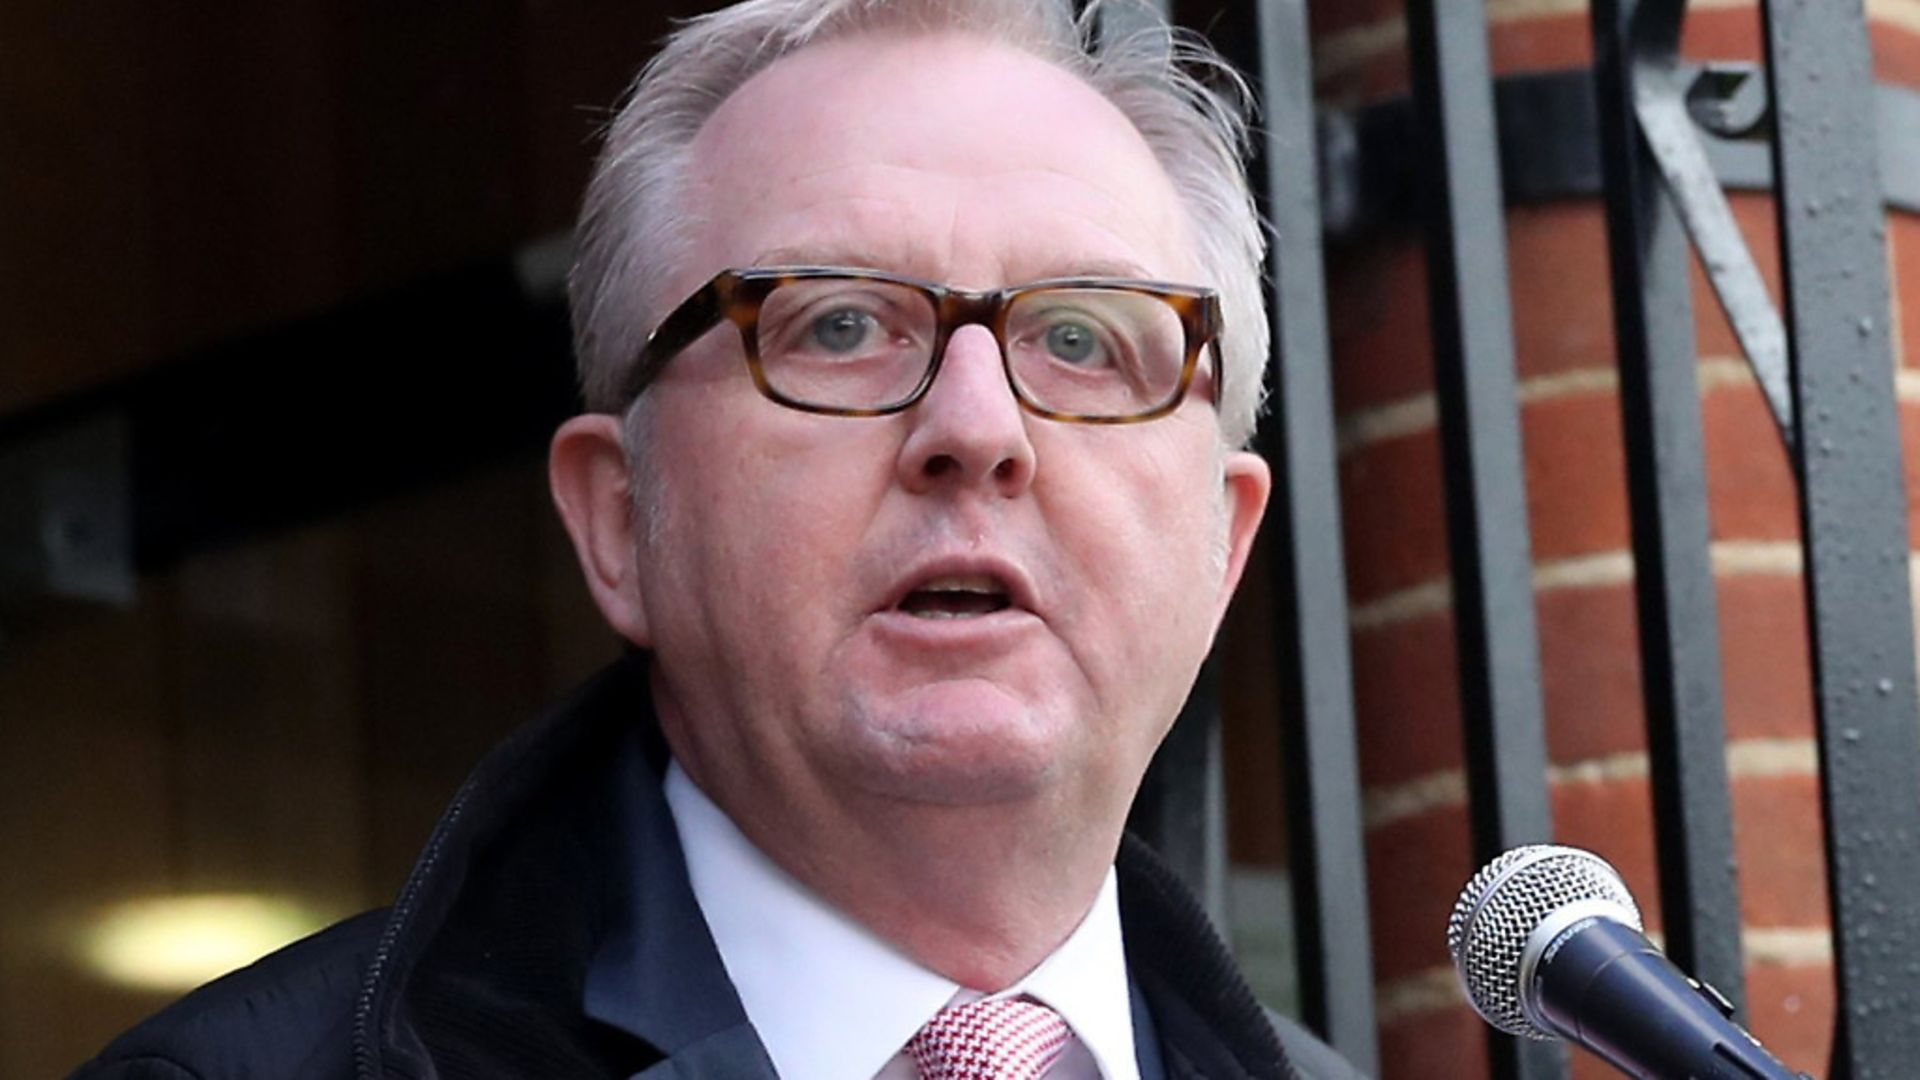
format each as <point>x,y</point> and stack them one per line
<point>1547,943</point>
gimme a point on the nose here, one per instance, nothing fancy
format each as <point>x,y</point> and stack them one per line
<point>969,430</point>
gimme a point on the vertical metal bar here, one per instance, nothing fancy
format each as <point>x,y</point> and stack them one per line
<point>1667,488</point>
<point>1327,860</point>
<point>1326,853</point>
<point>1480,431</point>
<point>1853,518</point>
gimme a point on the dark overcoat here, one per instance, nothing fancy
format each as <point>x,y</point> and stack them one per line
<point>548,930</point>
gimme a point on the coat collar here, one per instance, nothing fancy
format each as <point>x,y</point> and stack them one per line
<point>531,937</point>
<point>482,967</point>
<point>694,1018</point>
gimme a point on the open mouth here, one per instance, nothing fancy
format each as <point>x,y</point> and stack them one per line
<point>957,596</point>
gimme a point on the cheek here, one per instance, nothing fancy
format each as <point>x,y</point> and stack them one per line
<point>761,523</point>
<point>1149,542</point>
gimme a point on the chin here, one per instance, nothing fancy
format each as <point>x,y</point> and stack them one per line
<point>963,743</point>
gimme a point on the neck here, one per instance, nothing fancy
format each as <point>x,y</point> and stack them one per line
<point>978,897</point>
<point>978,894</point>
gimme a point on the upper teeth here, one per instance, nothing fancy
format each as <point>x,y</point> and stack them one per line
<point>973,583</point>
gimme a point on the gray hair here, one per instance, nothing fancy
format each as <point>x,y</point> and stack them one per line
<point>1188,104</point>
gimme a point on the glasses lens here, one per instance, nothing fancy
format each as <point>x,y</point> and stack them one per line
<point>1095,352</point>
<point>846,343</point>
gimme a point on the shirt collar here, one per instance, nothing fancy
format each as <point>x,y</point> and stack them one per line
<point>1085,981</point>
<point>830,999</point>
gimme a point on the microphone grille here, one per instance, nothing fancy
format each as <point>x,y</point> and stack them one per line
<point>1500,908</point>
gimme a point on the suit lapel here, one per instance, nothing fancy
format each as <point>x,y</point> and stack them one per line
<point>1146,1035</point>
<point>735,1052</point>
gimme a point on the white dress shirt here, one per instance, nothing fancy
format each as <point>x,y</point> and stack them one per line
<point>832,1001</point>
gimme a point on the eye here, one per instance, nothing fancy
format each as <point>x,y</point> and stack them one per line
<point>1074,342</point>
<point>1075,336</point>
<point>842,330</point>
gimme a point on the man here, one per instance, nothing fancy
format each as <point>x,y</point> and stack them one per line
<point>917,489</point>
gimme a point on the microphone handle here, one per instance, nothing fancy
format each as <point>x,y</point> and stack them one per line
<point>1604,986</point>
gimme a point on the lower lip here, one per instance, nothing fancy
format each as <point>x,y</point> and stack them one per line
<point>999,629</point>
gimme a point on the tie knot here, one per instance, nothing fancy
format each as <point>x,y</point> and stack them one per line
<point>998,1039</point>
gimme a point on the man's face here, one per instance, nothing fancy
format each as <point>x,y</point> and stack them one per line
<point>961,603</point>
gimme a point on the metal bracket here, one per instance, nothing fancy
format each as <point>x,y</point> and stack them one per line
<point>1721,98</point>
<point>1730,100</point>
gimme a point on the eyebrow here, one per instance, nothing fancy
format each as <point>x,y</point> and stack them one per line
<point>1075,267</point>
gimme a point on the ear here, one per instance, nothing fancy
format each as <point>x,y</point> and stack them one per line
<point>1248,483</point>
<point>592,487</point>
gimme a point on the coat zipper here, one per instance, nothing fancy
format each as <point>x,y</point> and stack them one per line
<point>364,1052</point>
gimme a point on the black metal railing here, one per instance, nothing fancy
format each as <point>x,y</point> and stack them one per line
<point>1639,131</point>
<point>1637,49</point>
<point>1853,517</point>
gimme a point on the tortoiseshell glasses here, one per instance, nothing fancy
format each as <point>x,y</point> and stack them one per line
<point>846,342</point>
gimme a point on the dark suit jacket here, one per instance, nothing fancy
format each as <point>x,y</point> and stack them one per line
<point>538,937</point>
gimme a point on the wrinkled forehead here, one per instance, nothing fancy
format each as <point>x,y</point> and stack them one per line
<point>941,155</point>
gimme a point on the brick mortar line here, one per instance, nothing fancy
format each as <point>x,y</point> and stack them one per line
<point>1721,372</point>
<point>1763,757</point>
<point>1437,988</point>
<point>1386,805</point>
<point>1402,605</point>
<point>1340,52</point>
<point>1379,423</point>
<point>1731,558</point>
<point>1419,413</point>
<point>1583,571</point>
<point>1428,990</point>
<point>1904,14</point>
<point>1756,558</point>
<point>1772,757</point>
<point>1788,946</point>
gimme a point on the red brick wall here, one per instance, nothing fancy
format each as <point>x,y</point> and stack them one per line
<point>1406,692</point>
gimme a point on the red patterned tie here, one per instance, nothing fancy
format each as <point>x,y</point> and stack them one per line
<point>1001,1039</point>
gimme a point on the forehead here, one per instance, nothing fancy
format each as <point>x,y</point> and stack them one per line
<point>940,155</point>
